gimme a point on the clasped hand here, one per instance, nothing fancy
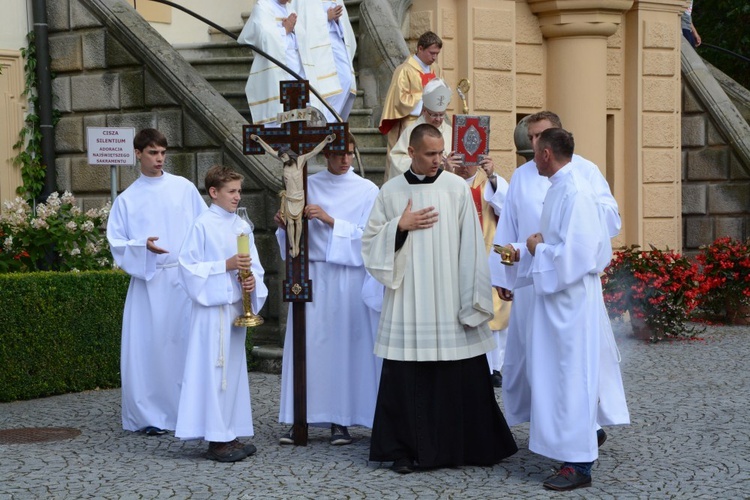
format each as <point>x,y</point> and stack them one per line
<point>289,22</point>
<point>334,13</point>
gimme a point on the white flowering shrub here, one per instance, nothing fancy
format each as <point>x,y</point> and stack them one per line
<point>57,236</point>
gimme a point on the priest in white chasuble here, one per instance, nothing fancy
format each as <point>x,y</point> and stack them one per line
<point>274,28</point>
<point>342,371</point>
<point>146,227</point>
<point>332,46</point>
<point>403,101</point>
<point>424,243</point>
<point>569,322</point>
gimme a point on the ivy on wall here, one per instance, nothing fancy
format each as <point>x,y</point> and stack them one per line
<point>30,137</point>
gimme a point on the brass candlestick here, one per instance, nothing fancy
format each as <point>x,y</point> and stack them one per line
<point>507,256</point>
<point>248,318</point>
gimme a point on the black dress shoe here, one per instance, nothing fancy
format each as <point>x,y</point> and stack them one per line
<point>403,466</point>
<point>497,379</point>
<point>567,479</point>
<point>153,431</point>
<point>601,436</point>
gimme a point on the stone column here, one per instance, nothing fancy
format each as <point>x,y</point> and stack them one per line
<point>576,33</point>
<point>652,142</point>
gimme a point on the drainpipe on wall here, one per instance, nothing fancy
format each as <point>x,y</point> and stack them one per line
<point>44,93</point>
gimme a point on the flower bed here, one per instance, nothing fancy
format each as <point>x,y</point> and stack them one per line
<point>658,288</point>
<point>725,291</point>
<point>56,235</point>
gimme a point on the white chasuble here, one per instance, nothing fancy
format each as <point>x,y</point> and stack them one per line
<point>157,309</point>
<point>342,371</point>
<point>437,293</point>
<point>215,396</point>
<point>332,47</point>
<point>264,30</point>
<point>570,337</point>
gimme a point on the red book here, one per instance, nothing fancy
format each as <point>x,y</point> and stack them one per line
<point>471,137</point>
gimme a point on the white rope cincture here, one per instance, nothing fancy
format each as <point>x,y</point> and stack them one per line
<point>220,361</point>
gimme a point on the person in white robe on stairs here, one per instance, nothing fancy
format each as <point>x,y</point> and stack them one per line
<point>342,370</point>
<point>274,27</point>
<point>215,396</point>
<point>146,226</point>
<point>332,47</point>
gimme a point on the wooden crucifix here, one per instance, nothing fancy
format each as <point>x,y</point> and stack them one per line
<point>304,141</point>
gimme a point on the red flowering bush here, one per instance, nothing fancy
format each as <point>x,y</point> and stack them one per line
<point>661,288</point>
<point>726,272</point>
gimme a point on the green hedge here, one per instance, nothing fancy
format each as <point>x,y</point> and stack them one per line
<point>60,332</point>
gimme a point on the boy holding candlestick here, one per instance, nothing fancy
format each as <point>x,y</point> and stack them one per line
<point>215,396</point>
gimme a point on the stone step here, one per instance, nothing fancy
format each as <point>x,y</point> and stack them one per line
<point>197,51</point>
<point>218,36</point>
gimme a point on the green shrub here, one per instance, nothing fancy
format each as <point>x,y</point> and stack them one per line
<point>60,332</point>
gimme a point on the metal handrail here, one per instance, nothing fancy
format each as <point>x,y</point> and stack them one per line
<point>253,47</point>
<point>726,51</point>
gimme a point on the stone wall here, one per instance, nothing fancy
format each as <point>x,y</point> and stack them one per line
<point>100,83</point>
<point>715,186</point>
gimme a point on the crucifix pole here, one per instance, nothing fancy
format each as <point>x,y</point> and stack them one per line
<point>294,134</point>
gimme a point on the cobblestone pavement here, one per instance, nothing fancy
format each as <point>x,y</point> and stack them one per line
<point>689,438</point>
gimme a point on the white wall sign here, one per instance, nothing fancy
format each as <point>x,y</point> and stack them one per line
<point>110,146</point>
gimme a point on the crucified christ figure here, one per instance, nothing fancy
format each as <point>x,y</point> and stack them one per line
<point>293,197</point>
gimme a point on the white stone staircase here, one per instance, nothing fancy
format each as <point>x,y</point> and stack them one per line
<point>226,65</point>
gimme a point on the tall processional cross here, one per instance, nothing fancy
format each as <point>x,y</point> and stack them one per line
<point>304,141</point>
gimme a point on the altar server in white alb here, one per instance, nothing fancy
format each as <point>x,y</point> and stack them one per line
<point>332,46</point>
<point>274,28</point>
<point>342,371</point>
<point>436,406</point>
<point>569,328</point>
<point>521,212</point>
<point>146,226</point>
<point>215,397</point>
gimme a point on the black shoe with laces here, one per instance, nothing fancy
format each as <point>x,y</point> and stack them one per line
<point>340,435</point>
<point>287,438</point>
<point>567,479</point>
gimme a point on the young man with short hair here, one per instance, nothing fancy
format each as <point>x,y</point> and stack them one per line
<point>146,226</point>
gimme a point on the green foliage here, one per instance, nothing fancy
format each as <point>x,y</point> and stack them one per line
<point>60,332</point>
<point>724,23</point>
<point>56,236</point>
<point>30,137</point>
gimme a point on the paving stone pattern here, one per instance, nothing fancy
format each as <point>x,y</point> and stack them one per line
<point>688,439</point>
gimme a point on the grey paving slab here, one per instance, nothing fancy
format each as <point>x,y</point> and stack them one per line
<point>689,438</point>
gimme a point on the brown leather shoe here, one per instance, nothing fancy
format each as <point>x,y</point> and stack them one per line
<point>225,452</point>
